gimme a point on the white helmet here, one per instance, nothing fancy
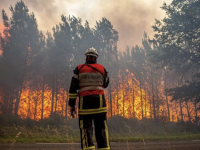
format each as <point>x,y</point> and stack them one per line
<point>91,52</point>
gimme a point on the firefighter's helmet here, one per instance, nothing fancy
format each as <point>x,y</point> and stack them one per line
<point>91,52</point>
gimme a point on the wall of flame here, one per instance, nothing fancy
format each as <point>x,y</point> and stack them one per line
<point>125,94</point>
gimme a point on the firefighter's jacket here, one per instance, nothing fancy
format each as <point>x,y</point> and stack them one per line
<point>88,82</point>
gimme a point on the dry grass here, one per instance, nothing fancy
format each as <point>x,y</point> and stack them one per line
<point>38,134</point>
<point>120,130</point>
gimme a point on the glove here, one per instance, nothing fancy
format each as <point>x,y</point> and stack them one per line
<point>73,111</point>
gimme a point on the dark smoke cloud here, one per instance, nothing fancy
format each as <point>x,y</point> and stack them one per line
<point>129,17</point>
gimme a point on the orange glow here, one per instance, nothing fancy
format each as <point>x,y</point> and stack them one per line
<point>32,100</point>
<point>126,102</point>
<point>1,28</point>
<point>126,98</point>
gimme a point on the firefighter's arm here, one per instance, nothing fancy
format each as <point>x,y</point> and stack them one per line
<point>106,79</point>
<point>73,88</point>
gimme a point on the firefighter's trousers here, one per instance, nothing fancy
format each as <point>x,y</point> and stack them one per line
<point>101,131</point>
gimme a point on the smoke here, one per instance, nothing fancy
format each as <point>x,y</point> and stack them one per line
<point>129,17</point>
<point>1,27</point>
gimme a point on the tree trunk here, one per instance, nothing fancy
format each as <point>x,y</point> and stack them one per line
<point>63,101</point>
<point>168,110</point>
<point>56,96</point>
<point>141,97</point>
<point>188,111</point>
<point>11,97</point>
<point>196,112</point>
<point>117,103</point>
<point>166,97</point>
<point>19,92</point>
<point>123,100</point>
<point>181,111</point>
<point>5,99</point>
<point>67,89</point>
<point>157,99</point>
<point>29,107</point>
<point>42,111</point>
<point>52,99</point>
<point>172,113</point>
<point>108,61</point>
<point>154,106</point>
<point>145,103</point>
<point>176,111</point>
<point>110,99</point>
<point>66,102</point>
<point>114,109</point>
<point>133,103</point>
<point>150,108</point>
<point>36,100</point>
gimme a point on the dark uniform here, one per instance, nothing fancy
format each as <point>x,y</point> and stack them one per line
<point>89,80</point>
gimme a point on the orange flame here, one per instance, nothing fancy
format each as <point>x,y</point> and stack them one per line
<point>126,98</point>
<point>31,104</point>
<point>129,100</point>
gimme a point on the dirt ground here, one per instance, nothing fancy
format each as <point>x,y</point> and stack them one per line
<point>173,145</point>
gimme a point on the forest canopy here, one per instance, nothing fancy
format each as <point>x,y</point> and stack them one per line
<point>158,79</point>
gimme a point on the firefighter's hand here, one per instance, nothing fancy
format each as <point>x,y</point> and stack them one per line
<point>73,111</point>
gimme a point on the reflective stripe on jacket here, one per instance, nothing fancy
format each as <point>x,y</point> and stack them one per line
<point>91,78</point>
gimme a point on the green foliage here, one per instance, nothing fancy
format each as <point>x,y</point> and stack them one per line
<point>177,42</point>
<point>19,45</point>
<point>108,38</point>
<point>188,91</point>
<point>37,62</point>
<point>177,36</point>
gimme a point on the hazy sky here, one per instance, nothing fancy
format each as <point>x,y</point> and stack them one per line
<point>129,17</point>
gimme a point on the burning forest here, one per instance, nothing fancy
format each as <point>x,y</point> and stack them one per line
<point>157,80</point>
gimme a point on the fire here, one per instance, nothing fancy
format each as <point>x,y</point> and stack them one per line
<point>129,100</point>
<point>31,104</point>
<point>126,101</point>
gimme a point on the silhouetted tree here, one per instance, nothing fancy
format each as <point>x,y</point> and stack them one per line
<point>19,46</point>
<point>177,39</point>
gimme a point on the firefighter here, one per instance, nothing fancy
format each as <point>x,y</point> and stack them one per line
<point>88,82</point>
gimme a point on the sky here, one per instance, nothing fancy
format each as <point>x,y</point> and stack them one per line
<point>129,17</point>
